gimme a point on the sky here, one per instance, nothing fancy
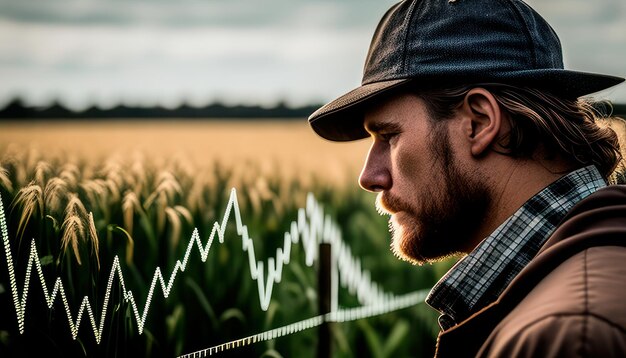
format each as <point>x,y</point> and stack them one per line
<point>164,52</point>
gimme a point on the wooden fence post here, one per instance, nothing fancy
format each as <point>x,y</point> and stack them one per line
<point>324,293</point>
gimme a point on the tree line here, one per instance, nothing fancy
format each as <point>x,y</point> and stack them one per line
<point>16,109</point>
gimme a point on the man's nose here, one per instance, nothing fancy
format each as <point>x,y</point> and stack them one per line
<point>375,175</point>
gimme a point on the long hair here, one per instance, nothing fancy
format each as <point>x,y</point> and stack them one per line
<point>572,128</point>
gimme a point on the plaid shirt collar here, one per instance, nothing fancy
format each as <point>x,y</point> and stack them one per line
<point>479,278</point>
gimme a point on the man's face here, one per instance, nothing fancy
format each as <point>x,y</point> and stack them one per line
<point>435,202</point>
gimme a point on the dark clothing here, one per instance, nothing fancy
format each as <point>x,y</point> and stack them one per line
<point>570,301</point>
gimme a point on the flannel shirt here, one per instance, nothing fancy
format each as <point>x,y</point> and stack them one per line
<point>481,276</point>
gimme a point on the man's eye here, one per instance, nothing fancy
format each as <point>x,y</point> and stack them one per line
<point>387,136</point>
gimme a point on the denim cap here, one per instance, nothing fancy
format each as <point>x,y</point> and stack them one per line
<point>437,43</point>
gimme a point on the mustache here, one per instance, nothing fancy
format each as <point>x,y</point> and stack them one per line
<point>388,204</point>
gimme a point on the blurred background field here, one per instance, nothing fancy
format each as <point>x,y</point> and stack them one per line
<point>279,147</point>
<point>148,185</point>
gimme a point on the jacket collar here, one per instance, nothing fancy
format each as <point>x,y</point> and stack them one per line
<point>597,220</point>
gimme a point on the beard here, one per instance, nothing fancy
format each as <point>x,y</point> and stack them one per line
<point>452,209</point>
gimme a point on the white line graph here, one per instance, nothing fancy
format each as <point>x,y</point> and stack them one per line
<point>310,228</point>
<point>341,315</point>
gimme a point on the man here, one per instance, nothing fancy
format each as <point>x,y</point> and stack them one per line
<point>481,146</point>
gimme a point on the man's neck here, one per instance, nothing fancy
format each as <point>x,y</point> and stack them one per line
<point>513,183</point>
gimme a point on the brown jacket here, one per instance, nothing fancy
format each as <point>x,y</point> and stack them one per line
<point>570,301</point>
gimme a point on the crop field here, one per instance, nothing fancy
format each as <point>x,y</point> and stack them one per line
<point>82,200</point>
<point>83,194</point>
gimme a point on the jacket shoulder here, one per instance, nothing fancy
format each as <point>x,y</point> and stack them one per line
<point>577,310</point>
<point>573,335</point>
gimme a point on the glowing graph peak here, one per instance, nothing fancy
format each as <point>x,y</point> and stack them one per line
<point>310,228</point>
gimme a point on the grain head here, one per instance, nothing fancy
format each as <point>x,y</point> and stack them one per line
<point>174,220</point>
<point>54,194</point>
<point>30,200</point>
<point>5,180</point>
<point>73,227</point>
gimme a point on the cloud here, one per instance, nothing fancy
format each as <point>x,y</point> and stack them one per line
<point>195,13</point>
<point>163,51</point>
<point>592,33</point>
<point>142,63</point>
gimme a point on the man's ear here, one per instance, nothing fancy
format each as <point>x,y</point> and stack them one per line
<point>484,120</point>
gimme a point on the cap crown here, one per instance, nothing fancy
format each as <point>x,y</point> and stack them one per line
<point>460,39</point>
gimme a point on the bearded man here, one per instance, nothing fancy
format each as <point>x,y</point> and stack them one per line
<point>482,145</point>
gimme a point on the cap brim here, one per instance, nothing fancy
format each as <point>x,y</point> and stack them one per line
<point>561,82</point>
<point>342,119</point>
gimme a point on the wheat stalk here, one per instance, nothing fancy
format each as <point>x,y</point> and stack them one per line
<point>174,219</point>
<point>164,194</point>
<point>160,210</point>
<point>14,157</point>
<point>255,200</point>
<point>95,189</point>
<point>114,190</point>
<point>179,211</point>
<point>70,173</point>
<point>30,199</point>
<point>136,175</point>
<point>95,247</point>
<point>30,158</point>
<point>5,181</point>
<point>130,203</point>
<point>42,171</point>
<point>73,225</point>
<point>169,185</point>
<point>54,193</point>
<point>97,192</point>
<point>195,198</point>
<point>184,212</point>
